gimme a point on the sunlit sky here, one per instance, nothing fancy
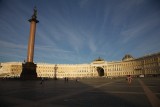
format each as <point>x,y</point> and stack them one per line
<point>79,31</point>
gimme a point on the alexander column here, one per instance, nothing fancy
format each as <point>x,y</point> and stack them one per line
<point>29,68</point>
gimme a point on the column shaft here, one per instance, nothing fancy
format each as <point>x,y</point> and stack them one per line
<point>31,41</point>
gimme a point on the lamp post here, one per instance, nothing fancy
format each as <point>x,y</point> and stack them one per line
<point>55,72</point>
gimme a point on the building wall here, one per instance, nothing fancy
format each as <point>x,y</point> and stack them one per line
<point>146,65</point>
<point>11,69</point>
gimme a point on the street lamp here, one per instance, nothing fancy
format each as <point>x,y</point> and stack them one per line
<point>55,72</point>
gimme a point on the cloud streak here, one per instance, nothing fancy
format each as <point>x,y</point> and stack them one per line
<point>80,31</point>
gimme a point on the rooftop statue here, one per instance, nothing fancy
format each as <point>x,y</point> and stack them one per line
<point>34,16</point>
<point>99,59</point>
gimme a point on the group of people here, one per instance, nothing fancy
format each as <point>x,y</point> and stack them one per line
<point>129,79</point>
<point>66,79</point>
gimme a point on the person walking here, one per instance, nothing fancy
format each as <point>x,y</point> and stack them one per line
<point>129,79</point>
<point>76,80</point>
<point>65,79</point>
<point>42,81</point>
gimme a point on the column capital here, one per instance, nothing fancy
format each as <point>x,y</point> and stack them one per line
<point>33,19</point>
<point>34,16</point>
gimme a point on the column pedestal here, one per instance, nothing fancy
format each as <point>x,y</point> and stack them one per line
<point>28,71</point>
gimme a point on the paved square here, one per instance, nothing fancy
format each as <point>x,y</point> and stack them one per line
<point>100,92</point>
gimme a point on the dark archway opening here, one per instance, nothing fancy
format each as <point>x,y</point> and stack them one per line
<point>100,71</point>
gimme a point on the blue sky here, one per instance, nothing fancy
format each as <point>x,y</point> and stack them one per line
<point>79,31</point>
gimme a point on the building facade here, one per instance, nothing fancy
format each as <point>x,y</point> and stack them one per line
<point>146,65</point>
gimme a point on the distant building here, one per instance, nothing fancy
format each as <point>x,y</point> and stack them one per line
<point>146,65</point>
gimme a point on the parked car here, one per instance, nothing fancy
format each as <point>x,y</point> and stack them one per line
<point>141,76</point>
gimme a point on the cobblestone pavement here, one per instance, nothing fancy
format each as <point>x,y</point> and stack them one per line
<point>99,92</point>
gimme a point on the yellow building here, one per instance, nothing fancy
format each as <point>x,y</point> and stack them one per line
<point>10,69</point>
<point>146,65</point>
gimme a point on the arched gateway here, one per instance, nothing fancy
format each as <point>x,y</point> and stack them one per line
<point>99,66</point>
<point>100,71</point>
